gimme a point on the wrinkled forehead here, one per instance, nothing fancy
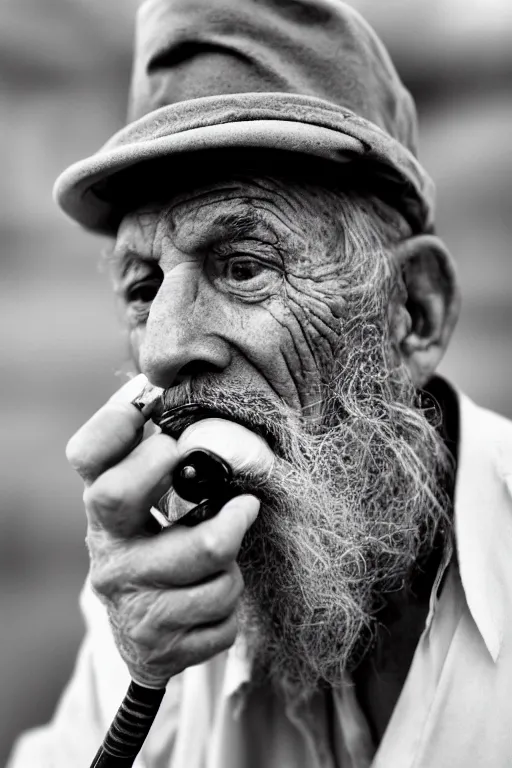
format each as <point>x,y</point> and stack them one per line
<point>269,207</point>
<point>246,195</point>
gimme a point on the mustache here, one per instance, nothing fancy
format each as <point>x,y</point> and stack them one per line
<point>188,403</point>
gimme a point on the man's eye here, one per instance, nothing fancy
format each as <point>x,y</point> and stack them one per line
<point>246,276</point>
<point>143,292</point>
<point>240,270</point>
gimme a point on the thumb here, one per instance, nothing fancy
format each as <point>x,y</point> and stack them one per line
<point>245,508</point>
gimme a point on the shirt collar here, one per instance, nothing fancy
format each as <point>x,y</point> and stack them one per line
<point>483,518</point>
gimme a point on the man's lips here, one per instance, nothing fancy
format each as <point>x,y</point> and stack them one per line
<point>173,421</point>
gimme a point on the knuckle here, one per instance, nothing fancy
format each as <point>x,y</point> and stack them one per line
<point>94,545</point>
<point>75,452</point>
<point>101,580</point>
<point>216,548</point>
<point>87,497</point>
<point>100,497</point>
<point>107,571</point>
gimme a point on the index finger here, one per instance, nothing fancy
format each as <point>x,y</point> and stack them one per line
<point>180,556</point>
<point>111,433</point>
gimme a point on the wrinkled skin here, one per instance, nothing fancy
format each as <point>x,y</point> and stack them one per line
<point>268,316</point>
<point>245,280</point>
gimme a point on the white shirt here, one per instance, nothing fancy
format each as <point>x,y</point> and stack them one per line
<point>455,708</point>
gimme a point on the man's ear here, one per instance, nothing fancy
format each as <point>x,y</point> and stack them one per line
<point>423,319</point>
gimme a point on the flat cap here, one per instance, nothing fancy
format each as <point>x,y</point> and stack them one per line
<point>308,77</point>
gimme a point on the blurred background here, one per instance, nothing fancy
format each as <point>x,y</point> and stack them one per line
<point>64,70</point>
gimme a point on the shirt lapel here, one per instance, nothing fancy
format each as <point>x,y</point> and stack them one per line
<point>483,519</point>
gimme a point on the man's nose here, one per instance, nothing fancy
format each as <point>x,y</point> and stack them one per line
<point>181,336</point>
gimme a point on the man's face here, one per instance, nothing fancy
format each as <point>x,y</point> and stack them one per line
<point>243,279</point>
<point>271,301</point>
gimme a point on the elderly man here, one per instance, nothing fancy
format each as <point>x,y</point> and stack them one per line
<point>275,254</point>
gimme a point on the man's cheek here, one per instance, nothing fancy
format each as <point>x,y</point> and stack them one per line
<point>259,341</point>
<point>307,351</point>
<point>314,320</point>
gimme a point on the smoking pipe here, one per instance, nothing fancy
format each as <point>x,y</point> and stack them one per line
<point>213,451</point>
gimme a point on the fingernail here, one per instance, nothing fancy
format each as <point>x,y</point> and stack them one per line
<point>140,393</point>
<point>147,399</point>
<point>130,389</point>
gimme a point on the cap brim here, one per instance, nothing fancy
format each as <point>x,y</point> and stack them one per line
<point>84,190</point>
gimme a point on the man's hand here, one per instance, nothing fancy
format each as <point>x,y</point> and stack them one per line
<point>171,597</point>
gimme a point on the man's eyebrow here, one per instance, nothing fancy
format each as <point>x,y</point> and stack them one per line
<point>241,223</point>
<point>123,259</point>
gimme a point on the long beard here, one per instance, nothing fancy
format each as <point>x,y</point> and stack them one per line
<point>354,503</point>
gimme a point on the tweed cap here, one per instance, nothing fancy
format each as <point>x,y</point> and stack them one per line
<point>306,77</point>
